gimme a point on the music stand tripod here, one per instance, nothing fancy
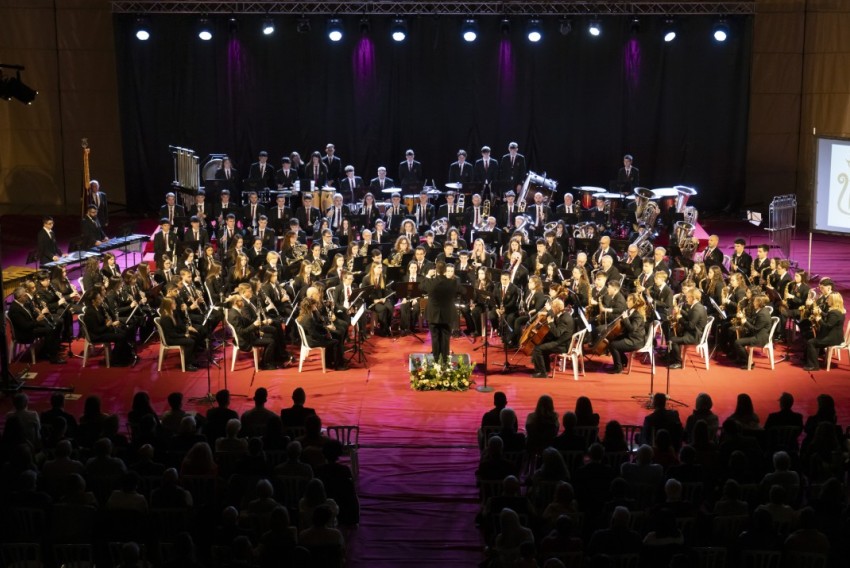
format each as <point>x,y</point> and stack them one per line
<point>357,349</point>
<point>486,346</point>
<point>504,329</point>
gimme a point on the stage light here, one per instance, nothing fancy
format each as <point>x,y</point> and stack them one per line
<point>565,26</point>
<point>595,28</point>
<point>268,26</point>
<point>14,88</point>
<point>142,29</point>
<point>365,25</point>
<point>634,26</point>
<point>721,30</point>
<point>469,31</point>
<point>399,29</point>
<point>204,30</point>
<point>535,32</point>
<point>334,29</point>
<point>302,26</point>
<point>232,24</point>
<point>669,30</point>
<point>505,26</point>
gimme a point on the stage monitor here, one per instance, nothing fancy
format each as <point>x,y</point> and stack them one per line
<point>831,199</point>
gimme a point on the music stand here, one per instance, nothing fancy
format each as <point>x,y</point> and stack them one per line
<point>357,349</point>
<point>456,220</point>
<point>484,297</point>
<point>409,290</point>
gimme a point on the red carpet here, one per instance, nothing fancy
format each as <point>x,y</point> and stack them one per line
<point>416,481</point>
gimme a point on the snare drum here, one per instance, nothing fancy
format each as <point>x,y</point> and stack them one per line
<point>326,198</point>
<point>588,201</point>
<point>410,203</point>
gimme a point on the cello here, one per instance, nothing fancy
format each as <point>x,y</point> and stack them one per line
<point>534,333</point>
<point>611,332</point>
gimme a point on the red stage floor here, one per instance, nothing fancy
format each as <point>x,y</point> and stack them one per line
<point>419,455</point>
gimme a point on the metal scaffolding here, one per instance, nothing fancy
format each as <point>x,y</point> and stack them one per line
<point>782,221</point>
<point>418,8</point>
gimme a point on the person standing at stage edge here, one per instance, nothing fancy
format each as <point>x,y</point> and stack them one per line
<point>440,311</point>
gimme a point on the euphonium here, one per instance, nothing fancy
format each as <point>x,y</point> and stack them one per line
<point>647,210</point>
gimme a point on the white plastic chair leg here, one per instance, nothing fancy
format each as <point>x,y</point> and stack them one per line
<point>161,357</point>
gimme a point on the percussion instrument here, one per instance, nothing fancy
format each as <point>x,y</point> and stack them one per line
<point>587,195</point>
<point>668,196</point>
<point>410,203</point>
<point>456,186</point>
<point>391,190</point>
<point>14,276</point>
<point>612,198</point>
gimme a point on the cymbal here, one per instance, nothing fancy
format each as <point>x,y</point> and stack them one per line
<point>589,188</point>
<point>282,192</point>
<point>433,191</point>
<point>391,190</point>
<point>456,185</point>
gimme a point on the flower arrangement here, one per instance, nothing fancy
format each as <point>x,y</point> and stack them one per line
<point>428,375</point>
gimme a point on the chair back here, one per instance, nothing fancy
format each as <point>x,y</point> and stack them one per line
<point>576,342</point>
<point>772,330</point>
<point>233,334</point>
<point>704,338</point>
<point>760,559</point>
<point>12,336</point>
<point>301,334</point>
<point>347,435</point>
<point>80,282</point>
<point>846,343</point>
<point>157,321</point>
<point>83,329</point>
<point>769,309</point>
<point>209,294</point>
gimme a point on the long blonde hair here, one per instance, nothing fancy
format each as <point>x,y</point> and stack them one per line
<point>835,301</point>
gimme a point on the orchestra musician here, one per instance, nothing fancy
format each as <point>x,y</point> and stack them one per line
<point>333,163</point>
<point>262,171</point>
<point>830,330</point>
<point>251,213</point>
<point>369,210</point>
<point>381,182</point>
<point>569,210</point>
<point>286,176</point>
<point>351,185</point>
<point>661,296</point>
<point>297,164</point>
<point>755,331</point>
<point>606,267</point>
<point>92,276</point>
<point>561,329</point>
<point>379,299</point>
<point>58,307</point>
<point>409,307</point>
<point>316,171</point>
<point>379,235</point>
<point>200,209</point>
<point>631,266</point>
<point>240,271</point>
<point>395,214</point>
<point>317,331</point>
<point>223,208</point>
<point>228,173</point>
<point>104,328</point>
<point>249,327</point>
<point>307,214</point>
<point>540,259</point>
<point>424,212</point>
<point>712,255</point>
<point>634,326</point>
<point>533,302</point>
<point>659,261</point>
<point>48,250</point>
<point>449,207</point>
<point>512,167</point>
<point>812,306</point>
<point>689,327</point>
<point>603,250</point>
<point>256,254</point>
<point>344,296</point>
<point>336,212</point>
<point>408,231</point>
<point>176,333</point>
<point>171,210</point>
<point>410,170</point>
<point>628,177</point>
<point>91,229</point>
<point>99,200</point>
<point>505,307</point>
<point>110,268</point>
<point>164,242</point>
<point>486,169</point>
<point>579,286</point>
<point>196,235</point>
<point>518,273</point>
<point>741,261</point>
<point>483,286</point>
<point>460,171</point>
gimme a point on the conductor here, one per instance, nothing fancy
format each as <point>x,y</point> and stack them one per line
<point>441,307</point>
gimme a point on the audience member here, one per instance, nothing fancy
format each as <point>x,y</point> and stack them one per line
<point>745,414</point>
<point>57,410</point>
<point>254,420</point>
<point>293,466</point>
<point>493,465</point>
<point>339,484</point>
<point>541,426</point>
<point>513,439</point>
<point>314,497</point>
<point>170,419</point>
<point>231,442</point>
<point>169,495</point>
<point>584,413</point>
<point>127,496</point>
<point>294,416</point>
<point>702,411</point>
<point>218,416</point>
<point>618,538</point>
<point>661,418</point>
<point>30,423</point>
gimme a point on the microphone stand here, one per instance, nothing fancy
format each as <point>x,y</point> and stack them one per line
<point>486,345</point>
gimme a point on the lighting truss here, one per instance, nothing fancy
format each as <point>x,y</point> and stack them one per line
<point>445,8</point>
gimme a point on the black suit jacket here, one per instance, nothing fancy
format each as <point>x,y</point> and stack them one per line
<point>310,173</point>
<point>159,245</point>
<point>510,299</point>
<point>268,176</point>
<point>627,182</point>
<point>91,232</point>
<point>301,215</point>
<point>234,176</point>
<point>203,236</point>
<point>23,322</point>
<point>562,329</point>
<point>279,222</point>
<point>506,218</point>
<point>513,173</point>
<point>456,174</point>
<point>102,208</point>
<point>760,327</point>
<point>172,329</point>
<point>407,174</point>
<point>178,212</point>
<point>334,166</point>
<point>427,216</point>
<point>353,189</point>
<point>294,417</point>
<point>635,327</point>
<point>47,247</point>
<point>694,324</point>
<point>243,323</point>
<point>375,187</point>
<point>713,257</point>
<point>488,175</point>
<point>344,213</point>
<point>286,178</point>
<point>441,299</point>
<point>831,330</point>
<point>246,214</point>
<point>532,211</point>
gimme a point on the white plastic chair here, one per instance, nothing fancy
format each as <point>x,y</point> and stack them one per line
<point>768,346</point>
<point>236,349</point>
<point>80,282</point>
<point>649,347</point>
<point>574,353</point>
<point>90,345</point>
<point>306,349</point>
<point>836,349</point>
<point>164,347</point>
<point>13,348</point>
<point>701,347</point>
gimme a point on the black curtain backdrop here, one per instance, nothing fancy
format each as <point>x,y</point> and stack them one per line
<point>575,104</point>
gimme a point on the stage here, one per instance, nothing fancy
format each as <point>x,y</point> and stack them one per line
<point>419,449</point>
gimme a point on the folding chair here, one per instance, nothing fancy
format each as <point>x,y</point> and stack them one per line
<point>701,347</point>
<point>349,437</point>
<point>237,348</point>
<point>13,348</point>
<point>574,353</point>
<point>649,347</point>
<point>767,347</point>
<point>91,345</point>
<point>306,349</point>
<point>164,347</point>
<point>837,349</point>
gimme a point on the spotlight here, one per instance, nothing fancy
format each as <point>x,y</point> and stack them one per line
<point>268,26</point>
<point>302,26</point>
<point>142,29</point>
<point>334,29</point>
<point>14,88</point>
<point>232,24</point>
<point>595,27</point>
<point>399,29</point>
<point>469,31</point>
<point>505,26</point>
<point>365,25</point>
<point>204,30</point>
<point>721,30</point>
<point>535,33</point>
<point>565,26</point>
<point>669,30</point>
<point>634,27</point>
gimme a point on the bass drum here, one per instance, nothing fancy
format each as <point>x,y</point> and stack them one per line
<point>326,198</point>
<point>410,203</point>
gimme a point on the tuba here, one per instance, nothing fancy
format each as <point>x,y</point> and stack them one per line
<point>644,243</point>
<point>647,210</point>
<point>683,234</point>
<point>440,226</point>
